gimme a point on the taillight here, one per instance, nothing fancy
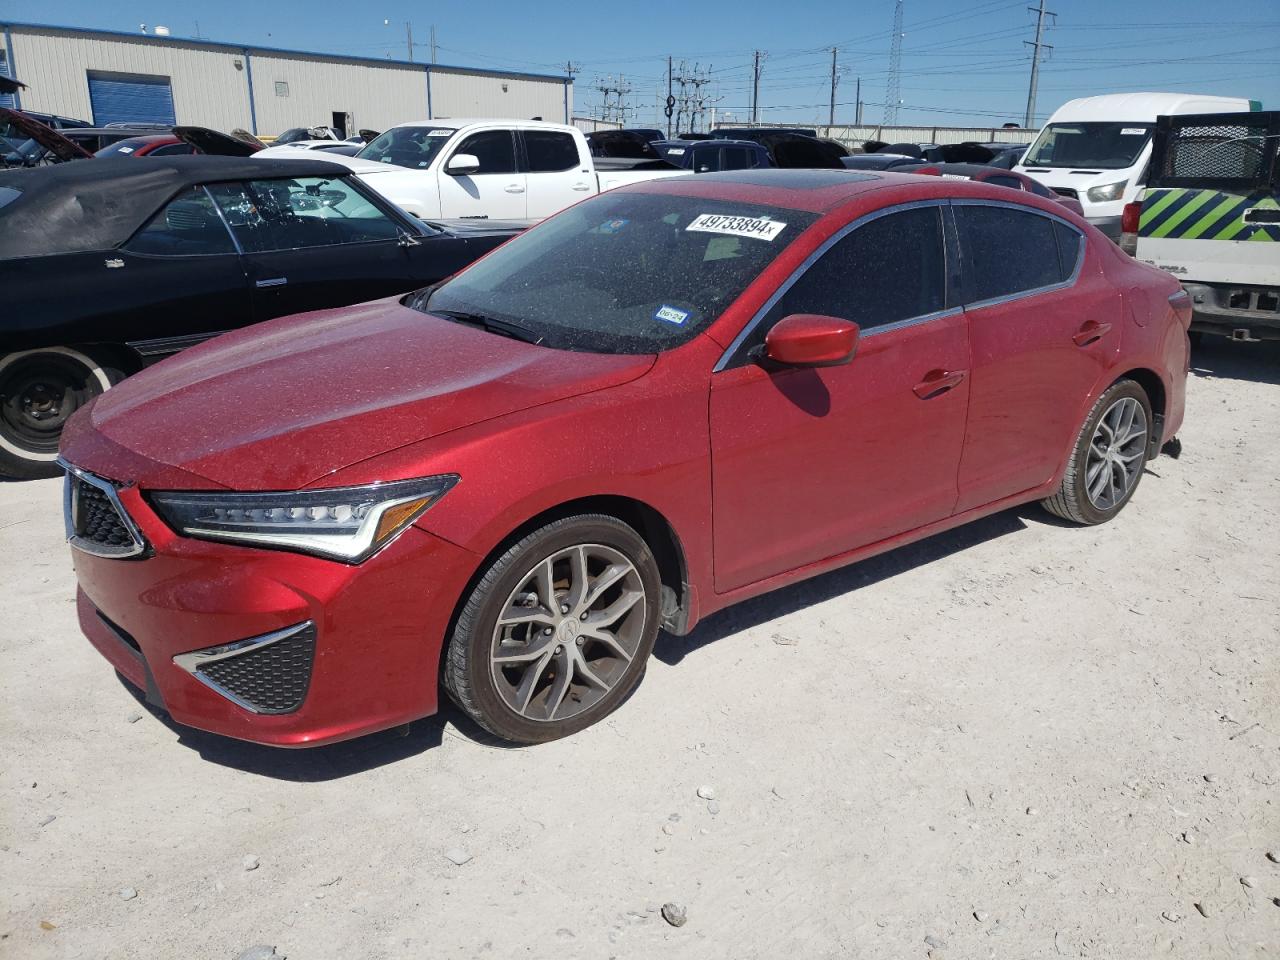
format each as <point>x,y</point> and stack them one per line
<point>1130,217</point>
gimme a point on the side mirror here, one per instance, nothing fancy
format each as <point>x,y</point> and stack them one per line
<point>462,164</point>
<point>811,340</point>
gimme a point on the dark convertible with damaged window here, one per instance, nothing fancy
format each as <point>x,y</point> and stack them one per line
<point>112,264</point>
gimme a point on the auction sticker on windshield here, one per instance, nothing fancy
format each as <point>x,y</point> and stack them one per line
<point>758,228</point>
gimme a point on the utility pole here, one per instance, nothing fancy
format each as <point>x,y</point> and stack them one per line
<point>857,104</point>
<point>671,99</point>
<point>755,90</point>
<point>433,43</point>
<point>1039,45</point>
<point>831,114</point>
<point>893,94</point>
<point>408,37</point>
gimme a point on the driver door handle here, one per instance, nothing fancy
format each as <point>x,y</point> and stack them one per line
<point>515,188</point>
<point>1091,332</point>
<point>582,186</point>
<point>937,382</point>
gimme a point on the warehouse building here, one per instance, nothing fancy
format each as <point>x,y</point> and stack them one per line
<point>107,76</point>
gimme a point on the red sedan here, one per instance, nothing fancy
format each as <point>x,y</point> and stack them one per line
<point>662,401</point>
<point>999,177</point>
<point>153,145</point>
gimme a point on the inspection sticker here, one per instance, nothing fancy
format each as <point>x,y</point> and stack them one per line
<point>613,226</point>
<point>756,227</point>
<point>671,314</point>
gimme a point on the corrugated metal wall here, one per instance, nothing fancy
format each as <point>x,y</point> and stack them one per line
<point>208,90</point>
<point>211,84</point>
<point>456,94</point>
<point>376,96</point>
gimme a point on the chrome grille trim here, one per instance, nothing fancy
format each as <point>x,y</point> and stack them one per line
<point>70,514</point>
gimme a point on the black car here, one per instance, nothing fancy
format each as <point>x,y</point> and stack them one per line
<point>110,265</point>
<point>708,156</point>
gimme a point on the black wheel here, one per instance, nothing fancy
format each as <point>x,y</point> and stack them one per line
<point>39,390</point>
<point>1108,458</point>
<point>557,632</point>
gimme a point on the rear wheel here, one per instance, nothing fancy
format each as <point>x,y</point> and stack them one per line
<point>39,390</point>
<point>557,632</point>
<point>1108,458</point>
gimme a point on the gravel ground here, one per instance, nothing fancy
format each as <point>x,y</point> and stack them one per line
<point>1019,739</point>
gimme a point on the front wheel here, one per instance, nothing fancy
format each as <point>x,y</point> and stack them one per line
<point>1108,458</point>
<point>556,633</point>
<point>39,390</point>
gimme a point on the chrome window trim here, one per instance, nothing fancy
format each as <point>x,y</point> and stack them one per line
<point>736,344</point>
<point>1070,281</point>
<point>951,233</point>
<point>192,662</point>
<point>70,502</point>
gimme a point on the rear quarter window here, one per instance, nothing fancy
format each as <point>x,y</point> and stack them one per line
<point>1007,252</point>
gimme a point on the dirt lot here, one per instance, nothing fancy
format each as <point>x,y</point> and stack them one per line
<point>1017,740</point>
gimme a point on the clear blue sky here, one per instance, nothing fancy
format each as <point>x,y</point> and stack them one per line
<point>963,62</point>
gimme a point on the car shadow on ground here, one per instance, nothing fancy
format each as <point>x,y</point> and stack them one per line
<point>750,613</point>
<point>333,762</point>
<point>1226,359</point>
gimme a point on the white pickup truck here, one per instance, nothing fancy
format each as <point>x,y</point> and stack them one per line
<point>491,169</point>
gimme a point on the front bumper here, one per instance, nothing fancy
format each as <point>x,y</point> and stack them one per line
<point>378,627</point>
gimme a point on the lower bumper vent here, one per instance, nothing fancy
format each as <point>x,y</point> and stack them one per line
<point>267,674</point>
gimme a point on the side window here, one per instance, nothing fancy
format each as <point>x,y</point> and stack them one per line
<point>288,214</point>
<point>172,150</point>
<point>1069,244</point>
<point>186,226</point>
<point>548,151</point>
<point>705,159</point>
<point>737,158</point>
<point>1006,251</point>
<point>889,269</point>
<point>495,150</point>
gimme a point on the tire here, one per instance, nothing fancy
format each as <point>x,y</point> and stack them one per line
<point>509,672</point>
<point>39,390</point>
<point>1100,463</point>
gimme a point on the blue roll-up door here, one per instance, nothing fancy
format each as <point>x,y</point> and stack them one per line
<point>136,97</point>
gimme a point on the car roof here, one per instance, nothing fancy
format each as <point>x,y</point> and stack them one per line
<point>86,205</point>
<point>459,122</point>
<point>1142,107</point>
<point>821,191</point>
<point>150,138</point>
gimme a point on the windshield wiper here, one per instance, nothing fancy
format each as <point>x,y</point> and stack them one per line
<point>492,324</point>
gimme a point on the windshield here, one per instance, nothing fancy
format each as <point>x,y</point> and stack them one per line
<point>623,272</point>
<point>8,195</point>
<point>121,148</point>
<point>413,147</point>
<point>1101,146</point>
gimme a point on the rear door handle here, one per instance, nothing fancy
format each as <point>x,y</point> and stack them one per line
<point>1091,332</point>
<point>582,186</point>
<point>515,188</point>
<point>937,382</point>
<point>273,282</point>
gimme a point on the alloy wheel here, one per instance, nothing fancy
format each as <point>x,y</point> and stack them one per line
<point>1117,452</point>
<point>568,632</point>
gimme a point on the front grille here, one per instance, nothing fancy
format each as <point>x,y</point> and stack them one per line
<point>1066,192</point>
<point>96,517</point>
<point>96,521</point>
<point>267,674</point>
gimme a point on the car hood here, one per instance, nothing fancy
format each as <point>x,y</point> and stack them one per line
<point>47,137</point>
<point>214,143</point>
<point>282,405</point>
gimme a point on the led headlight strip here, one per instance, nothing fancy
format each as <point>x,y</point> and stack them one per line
<point>342,523</point>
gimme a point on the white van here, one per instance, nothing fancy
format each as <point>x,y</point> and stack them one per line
<point>1096,148</point>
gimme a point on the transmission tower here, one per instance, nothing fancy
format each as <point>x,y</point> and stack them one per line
<point>893,93</point>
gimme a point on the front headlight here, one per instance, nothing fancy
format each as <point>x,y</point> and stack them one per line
<point>1108,191</point>
<point>342,523</point>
